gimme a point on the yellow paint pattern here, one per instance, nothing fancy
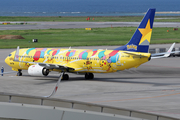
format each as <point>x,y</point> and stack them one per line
<point>146,32</point>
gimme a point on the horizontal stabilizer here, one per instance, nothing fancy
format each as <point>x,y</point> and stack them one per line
<point>136,55</point>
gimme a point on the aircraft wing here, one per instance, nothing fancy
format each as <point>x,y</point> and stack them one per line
<point>165,54</point>
<point>50,66</point>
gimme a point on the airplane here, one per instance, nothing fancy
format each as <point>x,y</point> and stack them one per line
<point>41,61</point>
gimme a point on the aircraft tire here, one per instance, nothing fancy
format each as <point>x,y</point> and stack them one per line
<point>65,77</point>
<point>89,76</point>
<point>86,76</point>
<point>19,74</point>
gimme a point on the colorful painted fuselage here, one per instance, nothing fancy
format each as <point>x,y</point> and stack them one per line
<point>81,60</point>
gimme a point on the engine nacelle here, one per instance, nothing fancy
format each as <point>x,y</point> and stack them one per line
<point>36,70</point>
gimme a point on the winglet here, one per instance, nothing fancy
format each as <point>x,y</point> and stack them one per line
<point>16,56</point>
<point>169,51</point>
<point>164,55</point>
<point>56,87</point>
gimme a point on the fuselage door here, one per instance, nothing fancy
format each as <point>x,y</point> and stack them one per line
<point>118,59</point>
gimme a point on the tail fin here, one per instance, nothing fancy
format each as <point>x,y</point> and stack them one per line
<point>141,38</point>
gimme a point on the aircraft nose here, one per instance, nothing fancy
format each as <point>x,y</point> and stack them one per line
<point>7,60</point>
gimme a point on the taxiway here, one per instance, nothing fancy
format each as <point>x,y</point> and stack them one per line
<point>153,87</point>
<point>66,25</point>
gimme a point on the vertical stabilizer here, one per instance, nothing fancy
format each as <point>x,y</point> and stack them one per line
<point>141,39</point>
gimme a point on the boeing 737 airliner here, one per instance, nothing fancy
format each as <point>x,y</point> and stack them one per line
<point>40,61</point>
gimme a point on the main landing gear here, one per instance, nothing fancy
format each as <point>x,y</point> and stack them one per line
<point>19,73</point>
<point>89,76</point>
<point>65,77</point>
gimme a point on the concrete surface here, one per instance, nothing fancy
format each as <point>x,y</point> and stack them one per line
<point>65,25</point>
<point>153,87</point>
<point>32,112</point>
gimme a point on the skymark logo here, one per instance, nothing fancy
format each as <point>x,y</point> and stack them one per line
<point>134,47</point>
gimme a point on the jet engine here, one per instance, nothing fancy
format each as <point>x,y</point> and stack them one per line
<point>36,70</point>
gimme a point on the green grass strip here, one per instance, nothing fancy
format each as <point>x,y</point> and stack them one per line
<point>81,37</point>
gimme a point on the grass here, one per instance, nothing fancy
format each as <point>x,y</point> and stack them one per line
<point>96,19</point>
<point>161,36</point>
<point>81,37</point>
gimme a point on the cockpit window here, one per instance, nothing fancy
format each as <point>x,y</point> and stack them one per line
<point>10,55</point>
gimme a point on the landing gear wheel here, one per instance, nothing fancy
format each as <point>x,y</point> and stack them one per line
<point>65,77</point>
<point>19,73</point>
<point>86,76</point>
<point>89,76</point>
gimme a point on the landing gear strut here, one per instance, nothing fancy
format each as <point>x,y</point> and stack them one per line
<point>19,73</point>
<point>89,76</point>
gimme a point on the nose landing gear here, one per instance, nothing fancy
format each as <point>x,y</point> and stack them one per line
<point>19,73</point>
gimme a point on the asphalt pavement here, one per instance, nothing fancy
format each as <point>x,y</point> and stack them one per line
<point>153,87</point>
<point>66,25</point>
